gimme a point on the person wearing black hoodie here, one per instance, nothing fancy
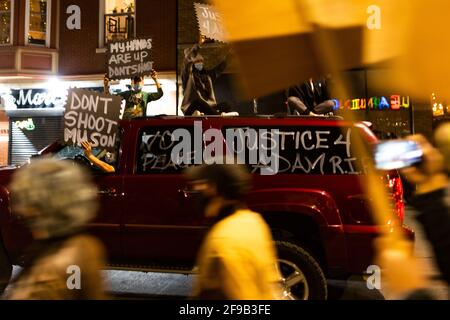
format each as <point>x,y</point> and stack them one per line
<point>198,83</point>
<point>310,98</point>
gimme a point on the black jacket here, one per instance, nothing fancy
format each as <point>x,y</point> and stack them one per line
<point>308,96</point>
<point>434,216</point>
<point>198,85</point>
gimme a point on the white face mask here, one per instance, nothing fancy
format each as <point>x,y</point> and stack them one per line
<point>137,87</point>
<point>198,66</point>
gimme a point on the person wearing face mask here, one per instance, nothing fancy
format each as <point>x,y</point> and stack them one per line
<point>197,82</point>
<point>237,260</point>
<point>136,100</point>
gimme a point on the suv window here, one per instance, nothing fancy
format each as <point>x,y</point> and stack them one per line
<point>301,150</point>
<point>155,145</point>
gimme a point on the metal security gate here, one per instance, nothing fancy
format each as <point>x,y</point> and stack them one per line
<point>29,135</point>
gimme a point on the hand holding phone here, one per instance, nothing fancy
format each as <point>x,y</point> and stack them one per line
<point>430,175</point>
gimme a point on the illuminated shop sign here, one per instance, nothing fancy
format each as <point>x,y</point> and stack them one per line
<point>394,102</point>
<point>25,124</point>
<point>37,98</point>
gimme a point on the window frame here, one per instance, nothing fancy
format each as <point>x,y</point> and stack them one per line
<point>48,24</point>
<point>101,23</point>
<point>11,25</point>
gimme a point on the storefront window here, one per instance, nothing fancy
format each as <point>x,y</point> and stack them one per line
<point>119,20</point>
<point>38,20</point>
<point>5,21</point>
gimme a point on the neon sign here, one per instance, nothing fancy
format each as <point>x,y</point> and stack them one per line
<point>36,99</point>
<point>395,102</point>
<point>33,98</point>
<point>25,124</point>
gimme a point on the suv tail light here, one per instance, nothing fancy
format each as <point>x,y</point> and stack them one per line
<point>395,188</point>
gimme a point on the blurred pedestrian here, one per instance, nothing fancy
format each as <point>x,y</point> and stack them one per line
<point>403,273</point>
<point>238,258</point>
<point>431,183</point>
<point>56,200</point>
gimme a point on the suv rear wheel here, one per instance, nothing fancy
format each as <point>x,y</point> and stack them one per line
<point>302,276</point>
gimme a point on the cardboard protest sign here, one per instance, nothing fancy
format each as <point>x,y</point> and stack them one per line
<point>127,59</point>
<point>209,22</point>
<point>91,116</point>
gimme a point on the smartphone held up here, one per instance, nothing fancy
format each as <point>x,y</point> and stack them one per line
<point>397,154</point>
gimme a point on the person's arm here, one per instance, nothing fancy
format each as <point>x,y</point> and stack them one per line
<point>156,95</point>
<point>295,104</point>
<point>218,70</point>
<point>189,54</point>
<point>94,160</point>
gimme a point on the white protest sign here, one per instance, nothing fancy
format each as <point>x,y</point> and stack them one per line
<point>91,116</point>
<point>127,59</point>
<point>210,22</point>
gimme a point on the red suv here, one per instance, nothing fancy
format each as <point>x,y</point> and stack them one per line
<point>314,202</point>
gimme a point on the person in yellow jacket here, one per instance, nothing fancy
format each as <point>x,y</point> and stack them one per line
<point>237,260</point>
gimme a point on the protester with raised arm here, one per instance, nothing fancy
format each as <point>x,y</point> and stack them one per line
<point>136,100</point>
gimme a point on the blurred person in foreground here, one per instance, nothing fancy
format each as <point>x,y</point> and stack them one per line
<point>56,200</point>
<point>431,179</point>
<point>237,260</point>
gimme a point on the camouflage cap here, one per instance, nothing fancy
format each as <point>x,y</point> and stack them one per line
<point>54,196</point>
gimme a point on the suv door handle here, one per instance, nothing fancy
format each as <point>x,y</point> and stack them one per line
<point>108,192</point>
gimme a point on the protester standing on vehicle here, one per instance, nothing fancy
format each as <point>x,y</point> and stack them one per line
<point>238,258</point>
<point>56,200</point>
<point>136,100</point>
<point>198,83</point>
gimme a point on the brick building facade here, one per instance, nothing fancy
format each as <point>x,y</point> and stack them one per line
<point>51,45</point>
